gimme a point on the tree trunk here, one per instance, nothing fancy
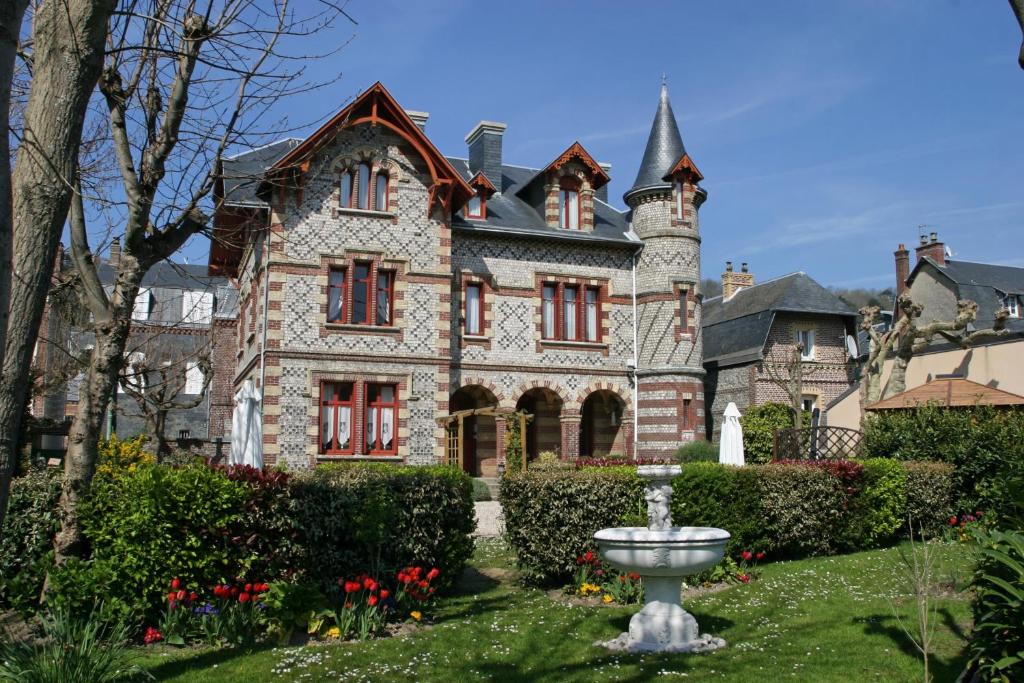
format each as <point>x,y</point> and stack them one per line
<point>68,42</point>
<point>163,449</point>
<point>897,383</point>
<point>83,440</point>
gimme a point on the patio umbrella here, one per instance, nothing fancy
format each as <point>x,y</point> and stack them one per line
<point>730,448</point>
<point>247,427</point>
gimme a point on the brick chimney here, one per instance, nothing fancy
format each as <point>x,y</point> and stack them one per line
<point>419,118</point>
<point>733,282</point>
<point>114,257</point>
<point>485,150</point>
<point>902,268</point>
<point>931,247</point>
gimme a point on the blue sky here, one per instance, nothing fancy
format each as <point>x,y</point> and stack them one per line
<point>826,131</point>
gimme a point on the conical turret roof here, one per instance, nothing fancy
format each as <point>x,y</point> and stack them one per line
<point>664,148</point>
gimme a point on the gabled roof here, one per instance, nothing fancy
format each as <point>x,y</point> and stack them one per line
<point>376,106</point>
<point>984,283</point>
<point>576,152</point>
<point>950,392</point>
<point>241,173</point>
<point>664,148</point>
<point>735,331</point>
<point>685,165</point>
<point>481,182</point>
<point>508,213</point>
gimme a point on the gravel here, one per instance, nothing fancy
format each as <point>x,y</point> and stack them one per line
<point>489,520</point>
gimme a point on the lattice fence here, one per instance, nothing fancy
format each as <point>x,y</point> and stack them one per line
<point>817,443</point>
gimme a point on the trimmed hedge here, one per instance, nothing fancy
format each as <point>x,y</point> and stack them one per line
<point>148,523</point>
<point>26,543</point>
<point>785,509</point>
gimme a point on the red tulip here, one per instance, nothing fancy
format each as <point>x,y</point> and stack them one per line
<point>424,584</point>
<point>384,593</point>
<point>588,556</point>
<point>175,584</point>
<point>433,574</point>
<point>234,591</point>
<point>952,521</point>
<point>180,595</point>
<point>746,555</point>
<point>193,596</point>
<point>372,601</point>
<point>171,596</point>
<point>248,588</point>
<point>759,555</point>
<point>243,597</point>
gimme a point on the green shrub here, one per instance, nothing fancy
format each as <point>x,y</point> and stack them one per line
<point>759,426</point>
<point>803,509</point>
<point>551,516</point>
<point>985,445</point>
<point>372,517</point>
<point>930,496</point>
<point>265,542</point>
<point>154,523</point>
<point>878,510</point>
<point>697,451</point>
<point>709,494</point>
<point>26,543</point>
<point>996,641</point>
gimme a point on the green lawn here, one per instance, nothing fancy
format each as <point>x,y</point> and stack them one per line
<point>824,619</point>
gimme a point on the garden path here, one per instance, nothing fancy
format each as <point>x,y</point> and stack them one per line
<point>489,520</point>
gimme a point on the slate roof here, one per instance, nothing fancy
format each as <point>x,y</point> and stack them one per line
<point>510,213</point>
<point>170,276</point>
<point>984,283</point>
<point>664,148</point>
<point>736,330</point>
<point>243,172</point>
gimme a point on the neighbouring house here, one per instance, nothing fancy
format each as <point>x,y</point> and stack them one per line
<point>751,336</point>
<point>937,282</point>
<point>173,322</point>
<point>383,285</point>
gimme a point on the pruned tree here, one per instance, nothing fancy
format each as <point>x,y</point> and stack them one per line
<point>908,337</point>
<point>63,57</point>
<point>180,86</point>
<point>157,377</point>
<point>789,375</point>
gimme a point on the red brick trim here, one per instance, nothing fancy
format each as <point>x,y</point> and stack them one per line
<point>377,264</point>
<point>359,381</point>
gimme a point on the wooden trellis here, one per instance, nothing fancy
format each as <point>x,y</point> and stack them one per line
<point>454,429</point>
<point>816,443</point>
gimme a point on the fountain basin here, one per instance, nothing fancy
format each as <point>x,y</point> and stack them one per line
<point>676,551</point>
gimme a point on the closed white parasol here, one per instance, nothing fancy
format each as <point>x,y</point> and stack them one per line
<point>247,427</point>
<point>730,448</point>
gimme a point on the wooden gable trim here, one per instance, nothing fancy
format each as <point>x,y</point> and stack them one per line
<point>376,106</point>
<point>578,153</point>
<point>481,182</point>
<point>685,166</point>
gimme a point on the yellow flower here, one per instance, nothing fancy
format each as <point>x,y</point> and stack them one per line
<point>333,632</point>
<point>416,615</point>
<point>607,598</point>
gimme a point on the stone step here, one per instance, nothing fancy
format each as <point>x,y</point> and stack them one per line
<point>492,485</point>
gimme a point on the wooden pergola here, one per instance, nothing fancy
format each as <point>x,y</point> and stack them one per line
<point>455,434</point>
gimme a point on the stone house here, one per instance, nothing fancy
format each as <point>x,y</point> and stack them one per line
<point>382,284</point>
<point>751,335</point>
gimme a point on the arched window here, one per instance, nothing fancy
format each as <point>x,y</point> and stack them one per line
<point>380,196</point>
<point>569,204</point>
<point>363,186</point>
<point>346,189</point>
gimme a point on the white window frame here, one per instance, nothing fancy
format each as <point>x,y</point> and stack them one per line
<point>1011,302</point>
<point>194,378</point>
<point>196,307</point>
<point>807,353</point>
<point>143,304</point>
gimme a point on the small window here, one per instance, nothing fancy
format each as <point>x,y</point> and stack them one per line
<point>684,311</point>
<point>194,378</point>
<point>336,295</point>
<point>381,413</point>
<point>361,293</point>
<point>805,338</point>
<point>385,296</point>
<point>571,313</point>
<point>475,207</point>
<point>143,304</point>
<point>548,328</point>
<point>1011,303</point>
<point>336,411</point>
<point>381,197</point>
<point>346,190</point>
<point>808,402</point>
<point>679,200</point>
<point>686,413</point>
<point>363,187</point>
<point>474,309</point>
<point>592,314</point>
<point>569,205</point>
<point>196,307</point>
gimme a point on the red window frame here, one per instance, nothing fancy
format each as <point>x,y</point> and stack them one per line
<point>342,291</point>
<point>482,213</point>
<point>578,313</point>
<point>363,196</point>
<point>335,448</point>
<point>571,308</point>
<point>388,289</point>
<point>479,309</point>
<point>377,406</point>
<point>553,333</point>
<point>347,178</point>
<point>369,289</point>
<point>381,175</point>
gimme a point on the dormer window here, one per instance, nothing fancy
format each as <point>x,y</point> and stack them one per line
<point>381,192</point>
<point>476,207</point>
<point>1011,302</point>
<point>569,204</point>
<point>363,186</point>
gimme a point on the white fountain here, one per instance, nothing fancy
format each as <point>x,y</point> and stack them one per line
<point>662,554</point>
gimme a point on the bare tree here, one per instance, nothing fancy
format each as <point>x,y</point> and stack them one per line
<point>789,376</point>
<point>180,86</point>
<point>1018,10</point>
<point>908,337</point>
<point>64,58</point>
<point>157,377</point>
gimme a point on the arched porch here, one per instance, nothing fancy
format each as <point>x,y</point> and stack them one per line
<point>479,432</point>
<point>544,432</point>
<point>602,430</point>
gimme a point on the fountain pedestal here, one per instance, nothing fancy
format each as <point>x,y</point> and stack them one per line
<point>662,555</point>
